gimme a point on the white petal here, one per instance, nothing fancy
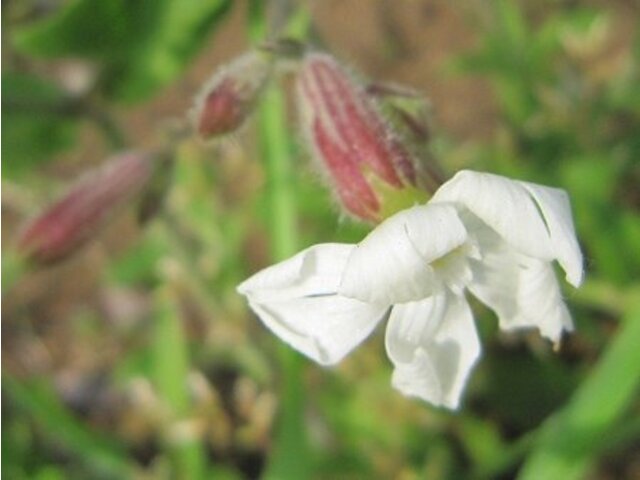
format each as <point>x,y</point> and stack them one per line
<point>314,271</point>
<point>324,328</point>
<point>496,275</point>
<point>534,219</point>
<point>554,204</point>
<point>391,265</point>
<point>296,299</point>
<point>433,345</point>
<point>540,302</point>
<point>523,291</point>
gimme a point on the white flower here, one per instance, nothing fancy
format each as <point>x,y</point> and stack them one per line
<point>490,235</point>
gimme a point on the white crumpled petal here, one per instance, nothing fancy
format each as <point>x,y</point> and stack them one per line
<point>314,271</point>
<point>534,219</point>
<point>523,291</point>
<point>297,300</point>
<point>391,265</point>
<point>540,302</point>
<point>554,204</point>
<point>433,345</point>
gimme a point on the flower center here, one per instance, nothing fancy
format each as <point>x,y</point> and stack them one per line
<point>453,268</point>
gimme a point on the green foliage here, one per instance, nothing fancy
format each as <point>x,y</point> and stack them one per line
<point>140,46</point>
<point>170,375</point>
<point>567,124</point>
<point>38,122</point>
<point>568,119</point>
<point>570,440</point>
<point>103,456</point>
<point>136,266</point>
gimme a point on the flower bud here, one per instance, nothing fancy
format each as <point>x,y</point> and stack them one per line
<point>231,94</point>
<point>79,215</point>
<point>367,162</point>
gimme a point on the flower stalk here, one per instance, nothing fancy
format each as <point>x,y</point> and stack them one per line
<point>289,457</point>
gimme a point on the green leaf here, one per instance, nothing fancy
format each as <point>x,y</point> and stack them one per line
<point>104,30</point>
<point>511,24</point>
<point>178,35</point>
<point>171,358</point>
<point>141,45</point>
<point>36,122</point>
<point>171,369</point>
<point>37,398</point>
<point>572,438</point>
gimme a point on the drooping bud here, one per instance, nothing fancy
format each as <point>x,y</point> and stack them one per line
<point>81,213</point>
<point>372,170</point>
<point>230,95</point>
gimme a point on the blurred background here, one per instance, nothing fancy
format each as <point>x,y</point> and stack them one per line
<point>135,357</point>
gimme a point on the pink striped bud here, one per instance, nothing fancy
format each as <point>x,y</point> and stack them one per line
<point>231,94</point>
<point>79,215</point>
<point>367,162</point>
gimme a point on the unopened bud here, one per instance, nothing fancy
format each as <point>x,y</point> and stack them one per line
<point>85,209</point>
<point>231,94</point>
<point>366,160</point>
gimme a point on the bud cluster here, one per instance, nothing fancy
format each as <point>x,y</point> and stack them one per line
<point>365,139</point>
<point>362,137</point>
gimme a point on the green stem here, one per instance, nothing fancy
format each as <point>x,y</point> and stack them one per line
<point>280,186</point>
<point>289,459</point>
<point>170,372</point>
